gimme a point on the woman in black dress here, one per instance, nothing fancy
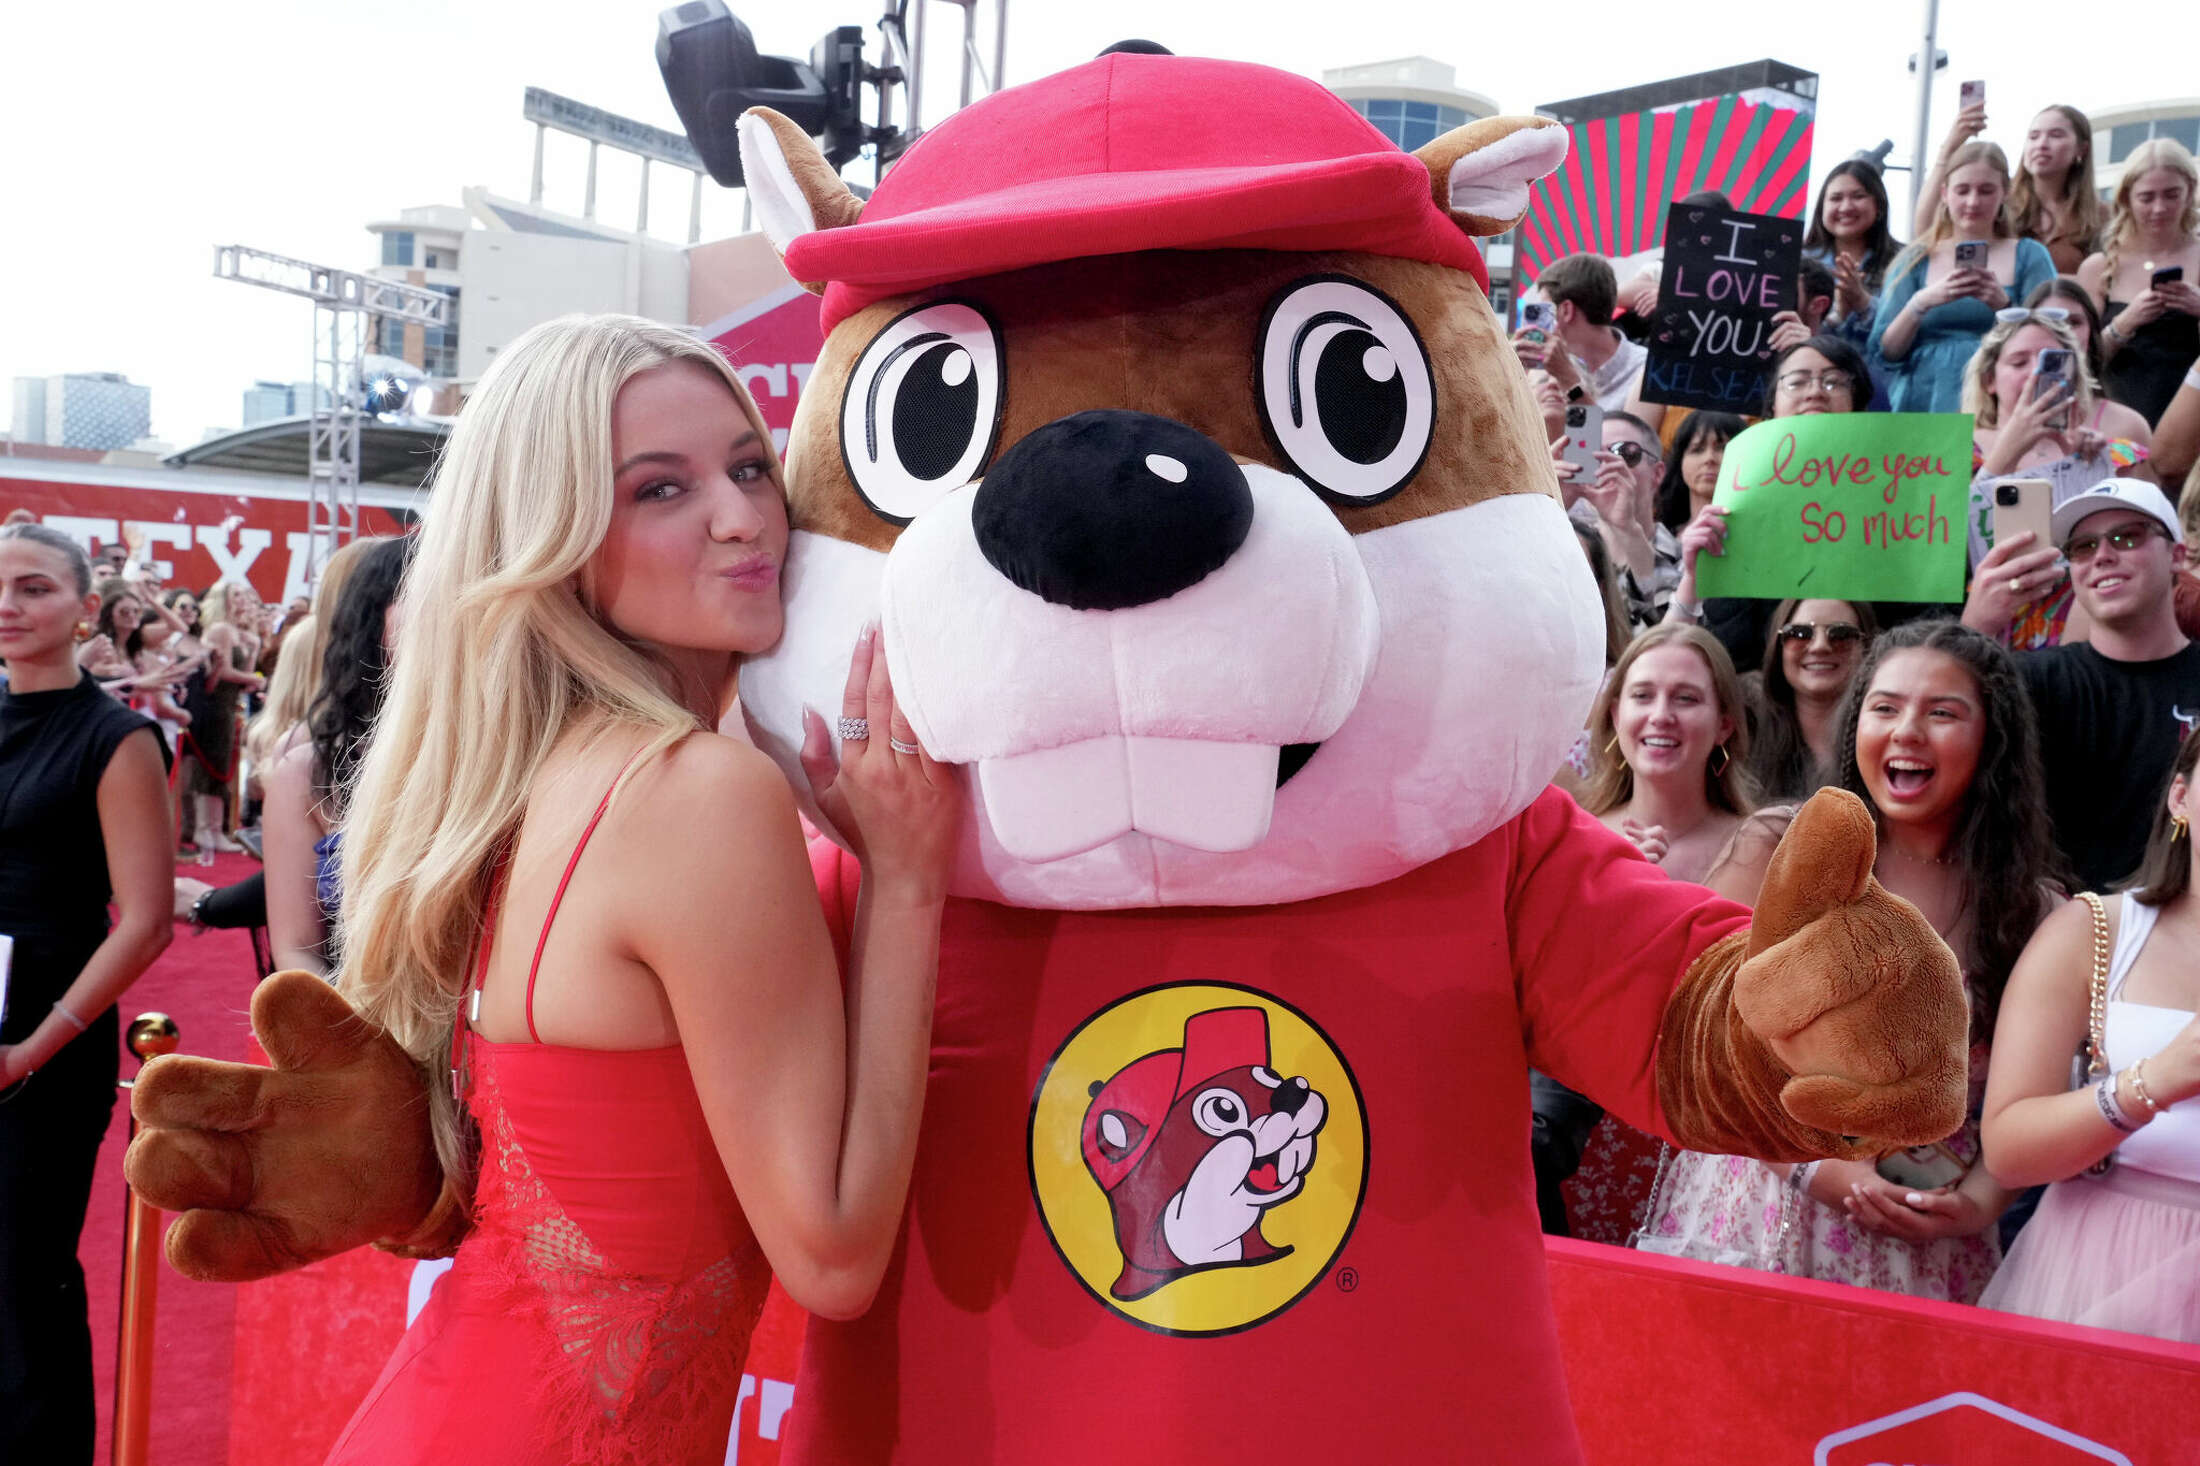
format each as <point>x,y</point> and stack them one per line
<point>83,820</point>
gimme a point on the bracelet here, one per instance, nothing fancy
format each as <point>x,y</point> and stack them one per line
<point>63,1009</point>
<point>2110,333</point>
<point>2138,1073</point>
<point>2104,1095</point>
<point>1690,611</point>
<point>1801,1177</point>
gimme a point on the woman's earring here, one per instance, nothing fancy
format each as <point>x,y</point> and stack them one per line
<point>1613,746</point>
<point>1724,758</point>
<point>83,631</point>
<point>2178,827</point>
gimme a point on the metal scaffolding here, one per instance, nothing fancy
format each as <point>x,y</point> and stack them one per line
<point>345,306</point>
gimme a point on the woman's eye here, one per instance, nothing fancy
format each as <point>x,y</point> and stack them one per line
<point>748,473</point>
<point>661,489</point>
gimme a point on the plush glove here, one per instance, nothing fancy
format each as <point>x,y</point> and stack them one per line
<point>1836,1025</point>
<point>277,1167</point>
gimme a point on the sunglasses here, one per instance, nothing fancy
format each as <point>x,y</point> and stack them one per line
<point>1838,633</point>
<point>2127,539</point>
<point>2018,314</point>
<point>1632,454</point>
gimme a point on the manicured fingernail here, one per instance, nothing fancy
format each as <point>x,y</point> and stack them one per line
<point>1914,1199</point>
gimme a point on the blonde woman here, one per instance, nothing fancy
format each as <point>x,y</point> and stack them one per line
<point>1669,743</point>
<point>650,1033</point>
<point>1937,306</point>
<point>2051,199</point>
<point>2146,279</point>
<point>2065,434</point>
<point>226,615</point>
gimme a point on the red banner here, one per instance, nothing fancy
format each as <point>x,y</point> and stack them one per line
<point>195,529</point>
<point>1668,1361</point>
<point>773,343</point>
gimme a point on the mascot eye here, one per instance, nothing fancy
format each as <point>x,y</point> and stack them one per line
<point>922,408</point>
<point>1345,388</point>
<point>1219,1112</point>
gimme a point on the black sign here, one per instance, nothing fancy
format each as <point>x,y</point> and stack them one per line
<point>1726,275</point>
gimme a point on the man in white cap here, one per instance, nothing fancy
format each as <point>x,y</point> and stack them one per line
<point>2113,711</point>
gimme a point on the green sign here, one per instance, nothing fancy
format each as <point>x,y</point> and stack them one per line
<point>1856,506</point>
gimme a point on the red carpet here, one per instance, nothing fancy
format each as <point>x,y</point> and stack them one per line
<point>204,982</point>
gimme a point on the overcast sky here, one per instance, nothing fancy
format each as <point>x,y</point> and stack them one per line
<point>140,133</point>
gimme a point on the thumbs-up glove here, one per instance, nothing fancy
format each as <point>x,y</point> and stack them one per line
<point>277,1167</point>
<point>1836,1025</point>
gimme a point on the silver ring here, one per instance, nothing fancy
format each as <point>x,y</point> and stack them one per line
<point>855,730</point>
<point>900,747</point>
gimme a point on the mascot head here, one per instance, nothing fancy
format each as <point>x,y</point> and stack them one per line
<point>1163,423</point>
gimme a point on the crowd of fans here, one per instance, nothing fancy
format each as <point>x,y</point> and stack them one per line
<point>2030,746</point>
<point>2033,745</point>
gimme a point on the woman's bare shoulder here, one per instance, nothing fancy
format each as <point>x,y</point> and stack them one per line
<point>705,780</point>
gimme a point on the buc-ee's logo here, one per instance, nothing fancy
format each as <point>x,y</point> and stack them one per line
<point>1198,1154</point>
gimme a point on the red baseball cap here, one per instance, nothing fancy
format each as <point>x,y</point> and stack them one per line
<point>1133,152</point>
<point>1143,1091</point>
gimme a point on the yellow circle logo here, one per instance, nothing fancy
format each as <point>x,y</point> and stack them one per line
<point>1199,1155</point>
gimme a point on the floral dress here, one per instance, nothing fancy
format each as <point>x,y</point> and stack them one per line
<point>1730,1209</point>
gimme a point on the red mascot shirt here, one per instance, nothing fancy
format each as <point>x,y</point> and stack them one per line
<point>1253,1184</point>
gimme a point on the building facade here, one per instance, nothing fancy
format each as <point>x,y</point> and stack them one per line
<point>2118,130</point>
<point>266,401</point>
<point>1412,101</point>
<point>93,410</point>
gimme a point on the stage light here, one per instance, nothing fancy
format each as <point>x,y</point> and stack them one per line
<point>714,73</point>
<point>386,394</point>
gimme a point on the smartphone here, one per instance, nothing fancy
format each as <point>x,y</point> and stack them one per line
<point>2022,504</point>
<point>1922,1167</point>
<point>1971,94</point>
<point>2168,275</point>
<point>1541,317</point>
<point>2051,373</point>
<point>1584,438</point>
<point>1971,254</point>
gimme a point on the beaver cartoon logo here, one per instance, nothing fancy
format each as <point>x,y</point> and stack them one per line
<point>1219,1156</point>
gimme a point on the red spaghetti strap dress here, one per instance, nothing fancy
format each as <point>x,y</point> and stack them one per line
<point>600,1310</point>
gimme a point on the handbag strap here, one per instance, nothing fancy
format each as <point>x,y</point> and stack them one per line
<point>2096,1038</point>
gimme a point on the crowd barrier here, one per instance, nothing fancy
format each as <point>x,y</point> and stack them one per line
<point>1670,1362</point>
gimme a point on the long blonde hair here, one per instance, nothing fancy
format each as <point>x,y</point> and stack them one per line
<point>2080,224</point>
<point>289,693</point>
<point>1611,782</point>
<point>2157,152</point>
<point>1943,227</point>
<point>497,659</point>
<point>1978,376</point>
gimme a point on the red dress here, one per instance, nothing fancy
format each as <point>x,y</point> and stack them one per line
<point>600,1310</point>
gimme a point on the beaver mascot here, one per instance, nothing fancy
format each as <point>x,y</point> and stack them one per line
<point>1164,423</point>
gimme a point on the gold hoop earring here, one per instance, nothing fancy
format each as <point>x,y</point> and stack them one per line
<point>1724,758</point>
<point>1613,746</point>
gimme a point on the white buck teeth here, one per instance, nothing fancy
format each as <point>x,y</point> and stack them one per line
<point>1192,792</point>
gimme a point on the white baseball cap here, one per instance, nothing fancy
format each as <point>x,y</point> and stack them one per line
<point>2116,493</point>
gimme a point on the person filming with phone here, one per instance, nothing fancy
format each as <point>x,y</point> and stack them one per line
<point>2111,710</point>
<point>1943,291</point>
<point>2144,278</point>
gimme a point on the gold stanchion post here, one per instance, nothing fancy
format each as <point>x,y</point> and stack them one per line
<point>150,1034</point>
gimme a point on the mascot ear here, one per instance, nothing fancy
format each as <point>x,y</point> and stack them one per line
<point>1479,174</point>
<point>793,189</point>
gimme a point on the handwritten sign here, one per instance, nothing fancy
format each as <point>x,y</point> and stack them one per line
<point>1726,275</point>
<point>1865,506</point>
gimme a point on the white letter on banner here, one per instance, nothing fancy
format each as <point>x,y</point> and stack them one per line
<point>214,539</point>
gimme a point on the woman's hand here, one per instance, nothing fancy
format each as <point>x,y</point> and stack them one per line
<point>1649,839</point>
<point>1879,1205</point>
<point>1969,123</point>
<point>1788,330</point>
<point>2179,295</point>
<point>1703,535</point>
<point>1611,493</point>
<point>2012,574</point>
<point>2146,307</point>
<point>2032,419</point>
<point>1981,286</point>
<point>1851,296</point>
<point>900,812</point>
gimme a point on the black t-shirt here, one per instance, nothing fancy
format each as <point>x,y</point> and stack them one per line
<point>2109,732</point>
<point>54,746</point>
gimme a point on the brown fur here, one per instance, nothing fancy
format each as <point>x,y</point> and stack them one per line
<point>1440,154</point>
<point>1838,1014</point>
<point>1173,333</point>
<point>832,204</point>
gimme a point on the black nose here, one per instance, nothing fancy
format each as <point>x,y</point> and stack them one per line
<point>1290,1097</point>
<point>1100,511</point>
